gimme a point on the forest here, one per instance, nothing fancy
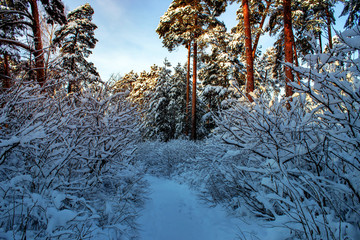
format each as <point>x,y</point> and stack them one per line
<point>271,134</point>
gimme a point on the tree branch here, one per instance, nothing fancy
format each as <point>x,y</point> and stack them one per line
<point>16,43</point>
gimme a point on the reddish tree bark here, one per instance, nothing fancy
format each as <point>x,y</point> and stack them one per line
<point>289,77</point>
<point>248,51</point>
<point>193,112</point>
<point>187,90</point>
<point>38,53</point>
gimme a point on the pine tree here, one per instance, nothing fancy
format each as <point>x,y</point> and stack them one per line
<point>185,21</point>
<point>142,88</point>
<point>177,102</point>
<point>76,39</point>
<point>248,50</point>
<point>124,84</point>
<point>288,35</point>
<point>177,27</point>
<point>8,52</point>
<point>23,18</point>
<point>251,16</point>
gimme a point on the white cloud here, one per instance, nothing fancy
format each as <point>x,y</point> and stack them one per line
<point>110,10</point>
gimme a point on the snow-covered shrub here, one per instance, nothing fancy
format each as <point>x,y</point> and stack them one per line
<point>163,158</point>
<point>64,163</point>
<point>303,170</point>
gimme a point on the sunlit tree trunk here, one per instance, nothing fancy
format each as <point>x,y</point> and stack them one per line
<point>289,77</point>
<point>193,112</point>
<point>248,51</point>
<point>38,53</point>
<point>187,90</point>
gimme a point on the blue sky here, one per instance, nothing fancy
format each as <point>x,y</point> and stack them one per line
<point>126,34</point>
<point>127,37</point>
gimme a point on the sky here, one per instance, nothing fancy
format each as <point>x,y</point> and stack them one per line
<point>127,37</point>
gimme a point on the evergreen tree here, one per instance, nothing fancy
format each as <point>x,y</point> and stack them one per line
<point>76,39</point>
<point>185,21</point>
<point>269,75</point>
<point>248,50</point>
<point>217,68</point>
<point>10,32</point>
<point>247,33</point>
<point>24,14</point>
<point>288,35</point>
<point>124,84</point>
<point>142,88</point>
<point>177,102</point>
<point>178,27</point>
<point>157,124</point>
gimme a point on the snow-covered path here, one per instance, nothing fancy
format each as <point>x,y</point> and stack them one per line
<point>173,212</point>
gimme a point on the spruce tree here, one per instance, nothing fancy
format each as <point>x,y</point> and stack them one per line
<point>157,122</point>
<point>76,39</point>
<point>177,102</point>
<point>217,68</point>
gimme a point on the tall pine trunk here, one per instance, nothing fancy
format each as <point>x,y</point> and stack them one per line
<point>187,90</point>
<point>289,77</point>
<point>248,51</point>
<point>193,112</point>
<point>38,53</point>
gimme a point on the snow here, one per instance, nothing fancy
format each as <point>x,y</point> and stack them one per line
<point>174,211</point>
<point>58,218</point>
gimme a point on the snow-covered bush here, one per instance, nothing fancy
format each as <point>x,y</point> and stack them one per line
<point>303,168</point>
<point>64,163</point>
<point>164,158</point>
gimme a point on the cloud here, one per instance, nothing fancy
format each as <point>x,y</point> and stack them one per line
<point>111,10</point>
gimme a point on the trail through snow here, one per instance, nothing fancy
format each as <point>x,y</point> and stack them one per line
<point>174,212</point>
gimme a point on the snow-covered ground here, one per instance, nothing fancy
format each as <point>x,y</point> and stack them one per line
<point>174,212</point>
